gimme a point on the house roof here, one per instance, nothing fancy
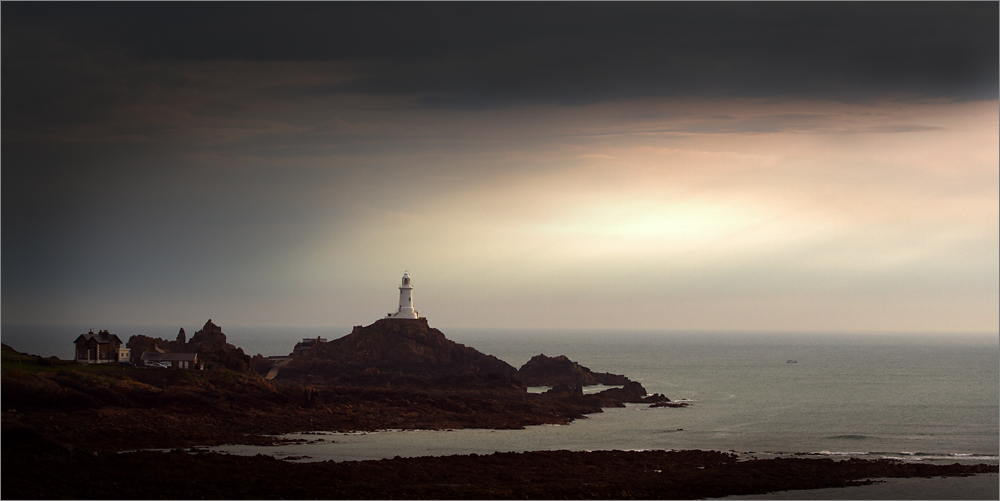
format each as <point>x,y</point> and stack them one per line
<point>102,337</point>
<point>152,356</point>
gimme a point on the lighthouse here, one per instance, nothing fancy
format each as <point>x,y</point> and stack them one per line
<point>405,300</point>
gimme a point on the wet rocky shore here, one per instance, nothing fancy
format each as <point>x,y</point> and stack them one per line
<point>83,431</point>
<point>190,474</point>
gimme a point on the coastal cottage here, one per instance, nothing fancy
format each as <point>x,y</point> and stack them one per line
<point>100,348</point>
<point>176,360</point>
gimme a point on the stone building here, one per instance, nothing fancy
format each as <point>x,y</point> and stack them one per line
<point>100,348</point>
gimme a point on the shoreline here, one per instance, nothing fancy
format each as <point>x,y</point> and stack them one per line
<point>76,420</point>
<point>535,475</point>
<point>322,445</point>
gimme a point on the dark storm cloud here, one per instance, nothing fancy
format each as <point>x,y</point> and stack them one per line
<point>485,55</point>
<point>212,152</point>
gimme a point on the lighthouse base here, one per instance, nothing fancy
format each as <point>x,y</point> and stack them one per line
<point>405,313</point>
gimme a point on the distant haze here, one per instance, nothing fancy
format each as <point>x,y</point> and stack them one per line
<point>694,166</point>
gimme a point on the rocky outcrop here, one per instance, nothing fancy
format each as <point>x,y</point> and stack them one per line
<point>213,350</point>
<point>209,343</point>
<point>550,371</point>
<point>390,349</point>
<point>261,364</point>
<point>209,334</point>
<point>668,403</point>
<point>632,393</point>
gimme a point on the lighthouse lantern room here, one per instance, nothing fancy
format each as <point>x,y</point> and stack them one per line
<point>405,300</point>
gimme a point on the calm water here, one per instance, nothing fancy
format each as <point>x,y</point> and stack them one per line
<point>921,398</point>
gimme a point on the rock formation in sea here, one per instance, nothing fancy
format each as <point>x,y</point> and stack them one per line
<point>397,348</point>
<point>632,392</point>
<point>549,371</point>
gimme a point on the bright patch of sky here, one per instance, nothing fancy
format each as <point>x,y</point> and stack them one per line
<point>726,182</point>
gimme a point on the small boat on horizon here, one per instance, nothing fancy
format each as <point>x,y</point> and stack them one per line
<point>792,361</point>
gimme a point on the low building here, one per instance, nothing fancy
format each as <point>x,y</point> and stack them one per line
<point>176,360</point>
<point>100,348</point>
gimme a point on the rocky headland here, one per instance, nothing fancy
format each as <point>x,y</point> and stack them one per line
<point>391,374</point>
<point>403,352</point>
<point>77,419</point>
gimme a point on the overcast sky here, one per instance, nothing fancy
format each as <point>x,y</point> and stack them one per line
<point>789,167</point>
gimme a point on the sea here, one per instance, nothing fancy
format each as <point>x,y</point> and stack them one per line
<point>930,397</point>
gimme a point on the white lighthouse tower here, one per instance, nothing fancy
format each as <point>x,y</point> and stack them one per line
<point>405,300</point>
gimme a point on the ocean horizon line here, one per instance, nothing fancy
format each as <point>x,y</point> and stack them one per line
<point>56,339</point>
<point>476,329</point>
